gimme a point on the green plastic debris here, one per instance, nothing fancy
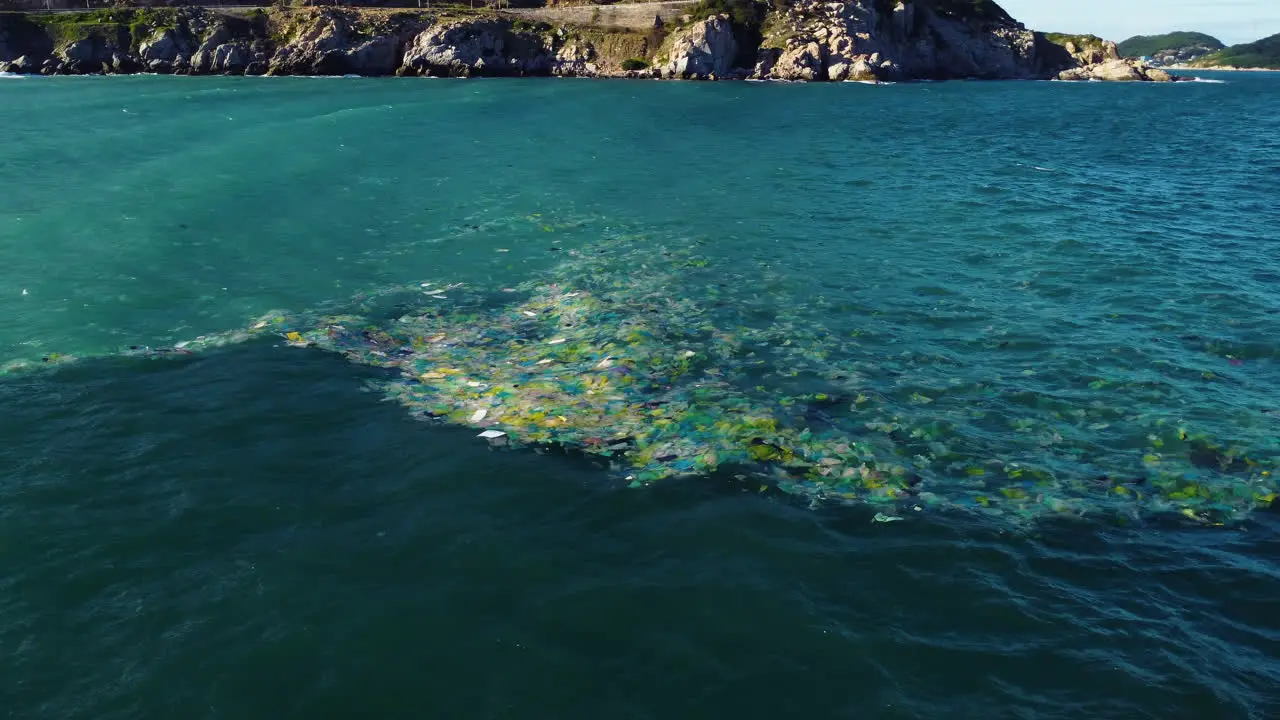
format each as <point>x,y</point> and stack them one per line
<point>659,363</point>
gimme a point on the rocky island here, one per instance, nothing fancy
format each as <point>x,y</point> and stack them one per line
<point>793,40</point>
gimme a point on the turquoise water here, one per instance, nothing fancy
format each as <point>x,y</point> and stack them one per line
<point>1052,306</point>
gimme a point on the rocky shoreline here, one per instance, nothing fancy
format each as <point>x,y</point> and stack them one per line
<point>805,40</point>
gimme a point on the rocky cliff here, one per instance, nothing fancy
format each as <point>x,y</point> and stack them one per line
<point>876,40</point>
<point>867,40</point>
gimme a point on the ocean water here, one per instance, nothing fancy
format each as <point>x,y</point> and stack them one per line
<point>939,399</point>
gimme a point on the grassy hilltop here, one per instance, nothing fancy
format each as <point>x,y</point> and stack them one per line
<point>1149,45</point>
<point>1264,53</point>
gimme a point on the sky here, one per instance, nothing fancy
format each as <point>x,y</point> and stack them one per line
<point>1231,21</point>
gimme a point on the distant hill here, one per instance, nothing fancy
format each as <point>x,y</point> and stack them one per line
<point>1264,53</point>
<point>1151,45</point>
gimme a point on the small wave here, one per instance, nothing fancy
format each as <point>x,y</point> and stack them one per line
<point>1211,81</point>
<point>15,76</point>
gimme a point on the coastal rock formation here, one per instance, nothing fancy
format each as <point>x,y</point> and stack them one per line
<point>812,40</point>
<point>329,44</point>
<point>223,51</point>
<point>575,59</point>
<point>1092,53</point>
<point>499,47</point>
<point>1088,57</point>
<point>21,65</point>
<point>705,49</point>
<point>1117,70</point>
<point>874,40</point>
<point>466,48</point>
<point>162,50</point>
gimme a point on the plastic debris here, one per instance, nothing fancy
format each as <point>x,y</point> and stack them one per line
<point>496,438</point>
<point>648,375</point>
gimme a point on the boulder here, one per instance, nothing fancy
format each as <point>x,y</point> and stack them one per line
<point>373,57</point>
<point>230,58</point>
<point>316,49</point>
<point>330,46</point>
<point>124,63</point>
<point>23,64</point>
<point>1117,71</point>
<point>205,58</point>
<point>577,59</point>
<point>485,47</point>
<point>84,56</point>
<point>163,46</point>
<point>766,59</point>
<point>459,49</point>
<point>703,49</point>
<point>802,62</point>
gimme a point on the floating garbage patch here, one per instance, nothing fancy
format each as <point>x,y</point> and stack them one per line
<point>661,365</point>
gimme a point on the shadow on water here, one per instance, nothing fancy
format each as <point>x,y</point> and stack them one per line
<point>247,533</point>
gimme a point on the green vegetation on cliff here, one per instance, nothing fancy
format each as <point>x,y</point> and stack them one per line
<point>1264,53</point>
<point>126,27</point>
<point>741,12</point>
<point>1082,42</point>
<point>1147,45</point>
